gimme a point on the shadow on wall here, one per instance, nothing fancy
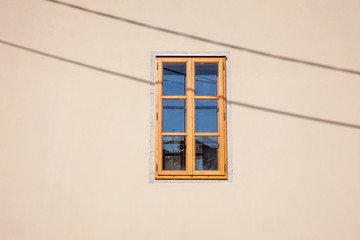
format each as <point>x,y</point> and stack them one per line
<point>202,39</point>
<point>140,80</point>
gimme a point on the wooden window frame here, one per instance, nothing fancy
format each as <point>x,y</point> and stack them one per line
<point>190,172</point>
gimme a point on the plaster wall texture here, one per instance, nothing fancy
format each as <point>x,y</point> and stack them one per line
<point>74,141</point>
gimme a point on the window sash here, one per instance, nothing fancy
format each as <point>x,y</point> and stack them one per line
<point>190,134</point>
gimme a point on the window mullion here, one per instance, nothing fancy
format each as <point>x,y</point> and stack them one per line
<point>190,117</point>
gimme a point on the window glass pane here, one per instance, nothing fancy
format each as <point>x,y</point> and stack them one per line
<point>206,153</point>
<point>206,75</point>
<point>174,79</point>
<point>174,152</point>
<point>206,116</point>
<point>174,115</point>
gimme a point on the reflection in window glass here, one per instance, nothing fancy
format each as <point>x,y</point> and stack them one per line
<point>206,116</point>
<point>174,79</point>
<point>206,75</point>
<point>174,151</point>
<point>174,115</point>
<point>206,153</point>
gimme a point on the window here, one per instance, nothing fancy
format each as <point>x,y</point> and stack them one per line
<point>190,124</point>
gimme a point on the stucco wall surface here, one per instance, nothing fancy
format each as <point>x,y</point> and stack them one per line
<point>75,120</point>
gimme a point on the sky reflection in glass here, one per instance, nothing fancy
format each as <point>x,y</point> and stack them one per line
<point>206,116</point>
<point>174,115</point>
<point>174,79</point>
<point>206,75</point>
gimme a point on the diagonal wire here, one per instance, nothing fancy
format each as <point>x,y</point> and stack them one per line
<point>74,62</point>
<point>205,80</point>
<point>202,39</point>
<point>140,80</point>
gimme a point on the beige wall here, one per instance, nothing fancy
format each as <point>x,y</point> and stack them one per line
<point>74,142</point>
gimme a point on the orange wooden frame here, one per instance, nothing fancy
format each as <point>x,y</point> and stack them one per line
<point>190,172</point>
